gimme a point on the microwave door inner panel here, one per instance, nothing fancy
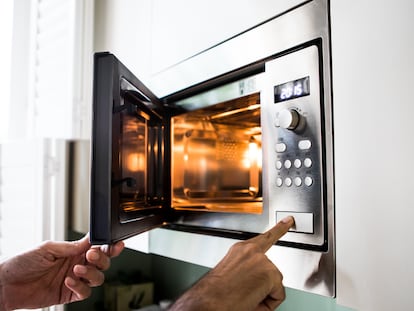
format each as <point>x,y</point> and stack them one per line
<point>127,154</point>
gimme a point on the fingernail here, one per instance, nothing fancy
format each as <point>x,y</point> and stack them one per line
<point>287,219</point>
<point>106,249</point>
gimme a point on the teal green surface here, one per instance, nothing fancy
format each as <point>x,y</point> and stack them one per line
<point>301,301</point>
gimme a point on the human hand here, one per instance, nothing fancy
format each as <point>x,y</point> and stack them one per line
<point>54,273</point>
<point>244,280</point>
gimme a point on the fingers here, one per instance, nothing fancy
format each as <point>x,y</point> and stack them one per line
<point>113,250</point>
<point>276,295</point>
<point>91,275</point>
<point>267,239</point>
<point>101,256</point>
<point>80,289</point>
<point>64,249</point>
<point>116,249</point>
<point>273,300</point>
<point>97,258</point>
<point>86,277</point>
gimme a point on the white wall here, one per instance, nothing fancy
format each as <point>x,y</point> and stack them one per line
<point>373,66</point>
<point>123,27</point>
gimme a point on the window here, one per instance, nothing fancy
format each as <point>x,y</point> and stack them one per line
<point>46,54</point>
<point>6,20</point>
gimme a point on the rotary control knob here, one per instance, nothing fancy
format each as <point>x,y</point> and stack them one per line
<point>288,119</point>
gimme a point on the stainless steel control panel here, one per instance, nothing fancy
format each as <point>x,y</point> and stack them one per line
<point>292,124</point>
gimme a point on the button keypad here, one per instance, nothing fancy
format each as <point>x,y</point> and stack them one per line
<point>294,170</point>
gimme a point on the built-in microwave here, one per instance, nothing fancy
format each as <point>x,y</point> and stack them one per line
<point>229,155</point>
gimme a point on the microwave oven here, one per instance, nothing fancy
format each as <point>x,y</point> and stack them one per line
<point>227,155</point>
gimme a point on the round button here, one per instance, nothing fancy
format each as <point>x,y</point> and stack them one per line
<point>287,119</point>
<point>298,181</point>
<point>280,147</point>
<point>297,163</point>
<point>308,181</point>
<point>288,164</point>
<point>279,181</point>
<point>307,162</point>
<point>278,165</point>
<point>288,181</point>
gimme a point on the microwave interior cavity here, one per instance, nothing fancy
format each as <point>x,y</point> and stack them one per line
<point>217,158</point>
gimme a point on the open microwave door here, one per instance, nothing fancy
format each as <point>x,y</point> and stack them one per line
<point>128,154</point>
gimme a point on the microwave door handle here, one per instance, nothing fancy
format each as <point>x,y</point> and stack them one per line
<point>136,95</point>
<point>139,98</point>
<point>130,90</point>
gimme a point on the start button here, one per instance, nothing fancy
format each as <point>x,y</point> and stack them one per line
<point>303,221</point>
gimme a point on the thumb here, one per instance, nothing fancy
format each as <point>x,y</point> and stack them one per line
<point>64,249</point>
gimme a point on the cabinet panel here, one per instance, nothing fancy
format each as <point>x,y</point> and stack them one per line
<point>373,131</point>
<point>183,28</point>
<point>123,27</point>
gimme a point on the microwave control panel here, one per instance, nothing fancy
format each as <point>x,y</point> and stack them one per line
<point>292,123</point>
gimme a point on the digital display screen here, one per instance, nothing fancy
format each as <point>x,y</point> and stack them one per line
<point>292,89</point>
